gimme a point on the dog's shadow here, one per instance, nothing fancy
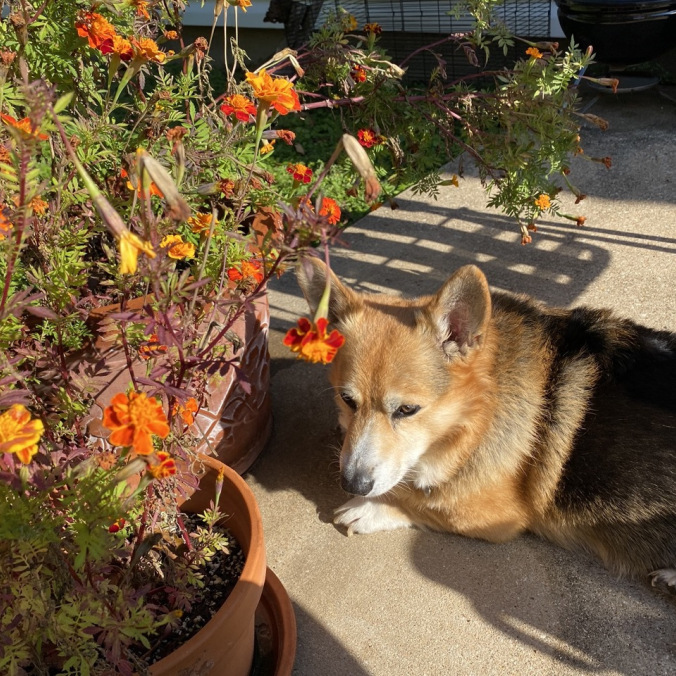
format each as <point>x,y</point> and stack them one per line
<point>556,602</point>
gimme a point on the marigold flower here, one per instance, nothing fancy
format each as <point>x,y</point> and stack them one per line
<point>152,190</point>
<point>200,222</point>
<point>39,206</point>
<point>242,4</point>
<point>227,187</point>
<point>454,181</point>
<point>5,156</point>
<point>187,411</point>
<point>607,162</point>
<point>300,172</point>
<point>373,28</point>
<point>247,270</point>
<point>134,419</point>
<point>149,349</point>
<point>367,138</point>
<point>98,31</point>
<point>116,526</point>
<point>177,248</point>
<point>526,239</point>
<point>130,246</point>
<point>358,74</point>
<point>122,47</point>
<point>163,469</point>
<point>543,202</point>
<point>25,126</point>
<point>534,53</point>
<point>312,343</point>
<point>330,209</point>
<point>579,221</point>
<point>277,92</point>
<point>5,225</point>
<point>350,22</point>
<point>146,49</point>
<point>141,8</point>
<point>19,434</point>
<point>242,107</point>
<point>171,35</point>
<point>267,147</point>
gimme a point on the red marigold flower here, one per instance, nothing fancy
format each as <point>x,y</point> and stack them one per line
<point>374,28</point>
<point>312,343</point>
<point>19,434</point>
<point>151,347</point>
<point>331,210</point>
<point>300,172</point>
<point>133,419</point>
<point>163,469</point>
<point>247,270</point>
<point>367,137</point>
<point>358,74</point>
<point>242,107</point>
<point>117,526</point>
<point>25,126</point>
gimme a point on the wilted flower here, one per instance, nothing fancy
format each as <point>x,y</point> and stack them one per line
<point>19,434</point>
<point>134,419</point>
<point>286,135</point>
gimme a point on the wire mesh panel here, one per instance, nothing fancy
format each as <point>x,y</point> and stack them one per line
<point>409,25</point>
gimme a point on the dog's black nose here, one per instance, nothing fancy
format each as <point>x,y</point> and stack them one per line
<point>358,484</point>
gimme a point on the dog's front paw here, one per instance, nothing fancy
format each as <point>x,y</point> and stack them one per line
<point>361,515</point>
<point>664,579</point>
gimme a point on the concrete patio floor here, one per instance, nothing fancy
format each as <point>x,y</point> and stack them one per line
<point>412,603</point>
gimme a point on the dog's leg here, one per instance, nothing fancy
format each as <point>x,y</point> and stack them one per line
<point>364,515</point>
<point>664,579</point>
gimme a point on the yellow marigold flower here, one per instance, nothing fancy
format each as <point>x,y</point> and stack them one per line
<point>242,4</point>
<point>200,222</point>
<point>134,419</point>
<point>267,147</point>
<point>534,53</point>
<point>177,248</point>
<point>19,434</point>
<point>543,202</point>
<point>146,49</point>
<point>130,247</point>
<point>277,92</point>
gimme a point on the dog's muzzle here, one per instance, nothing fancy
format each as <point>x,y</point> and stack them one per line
<point>357,483</point>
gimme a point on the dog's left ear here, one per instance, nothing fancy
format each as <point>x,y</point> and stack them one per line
<point>461,310</point>
<point>311,273</point>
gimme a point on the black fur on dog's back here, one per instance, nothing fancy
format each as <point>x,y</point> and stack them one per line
<point>616,495</point>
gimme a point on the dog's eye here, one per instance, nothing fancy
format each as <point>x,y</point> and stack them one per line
<point>406,411</point>
<point>348,400</point>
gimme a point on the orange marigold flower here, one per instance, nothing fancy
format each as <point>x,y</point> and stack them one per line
<point>358,74</point>
<point>187,411</point>
<point>19,434</point>
<point>171,35</point>
<point>246,271</point>
<point>141,8</point>
<point>526,239</point>
<point>367,138</point>
<point>163,469</point>
<point>25,126</point>
<point>117,526</point>
<point>300,172</point>
<point>149,349</point>
<point>39,206</point>
<point>373,28</point>
<point>134,419</point>
<point>579,221</point>
<point>153,189</point>
<point>5,156</point>
<point>177,248</point>
<point>330,209</point>
<point>286,135</point>
<point>122,47</point>
<point>98,31</point>
<point>146,49</point>
<point>5,225</point>
<point>543,202</point>
<point>534,53</point>
<point>242,4</point>
<point>242,107</point>
<point>201,222</point>
<point>312,343</point>
<point>277,92</point>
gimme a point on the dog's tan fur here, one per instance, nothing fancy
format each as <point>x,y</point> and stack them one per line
<point>502,401</point>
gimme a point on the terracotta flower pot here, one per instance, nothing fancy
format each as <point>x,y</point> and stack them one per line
<point>225,645</point>
<point>236,423</point>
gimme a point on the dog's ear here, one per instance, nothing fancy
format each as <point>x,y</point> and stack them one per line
<point>311,274</point>
<point>461,310</point>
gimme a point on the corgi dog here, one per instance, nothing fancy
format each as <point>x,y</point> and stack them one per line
<point>490,414</point>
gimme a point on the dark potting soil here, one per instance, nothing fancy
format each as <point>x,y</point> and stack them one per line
<point>220,578</point>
